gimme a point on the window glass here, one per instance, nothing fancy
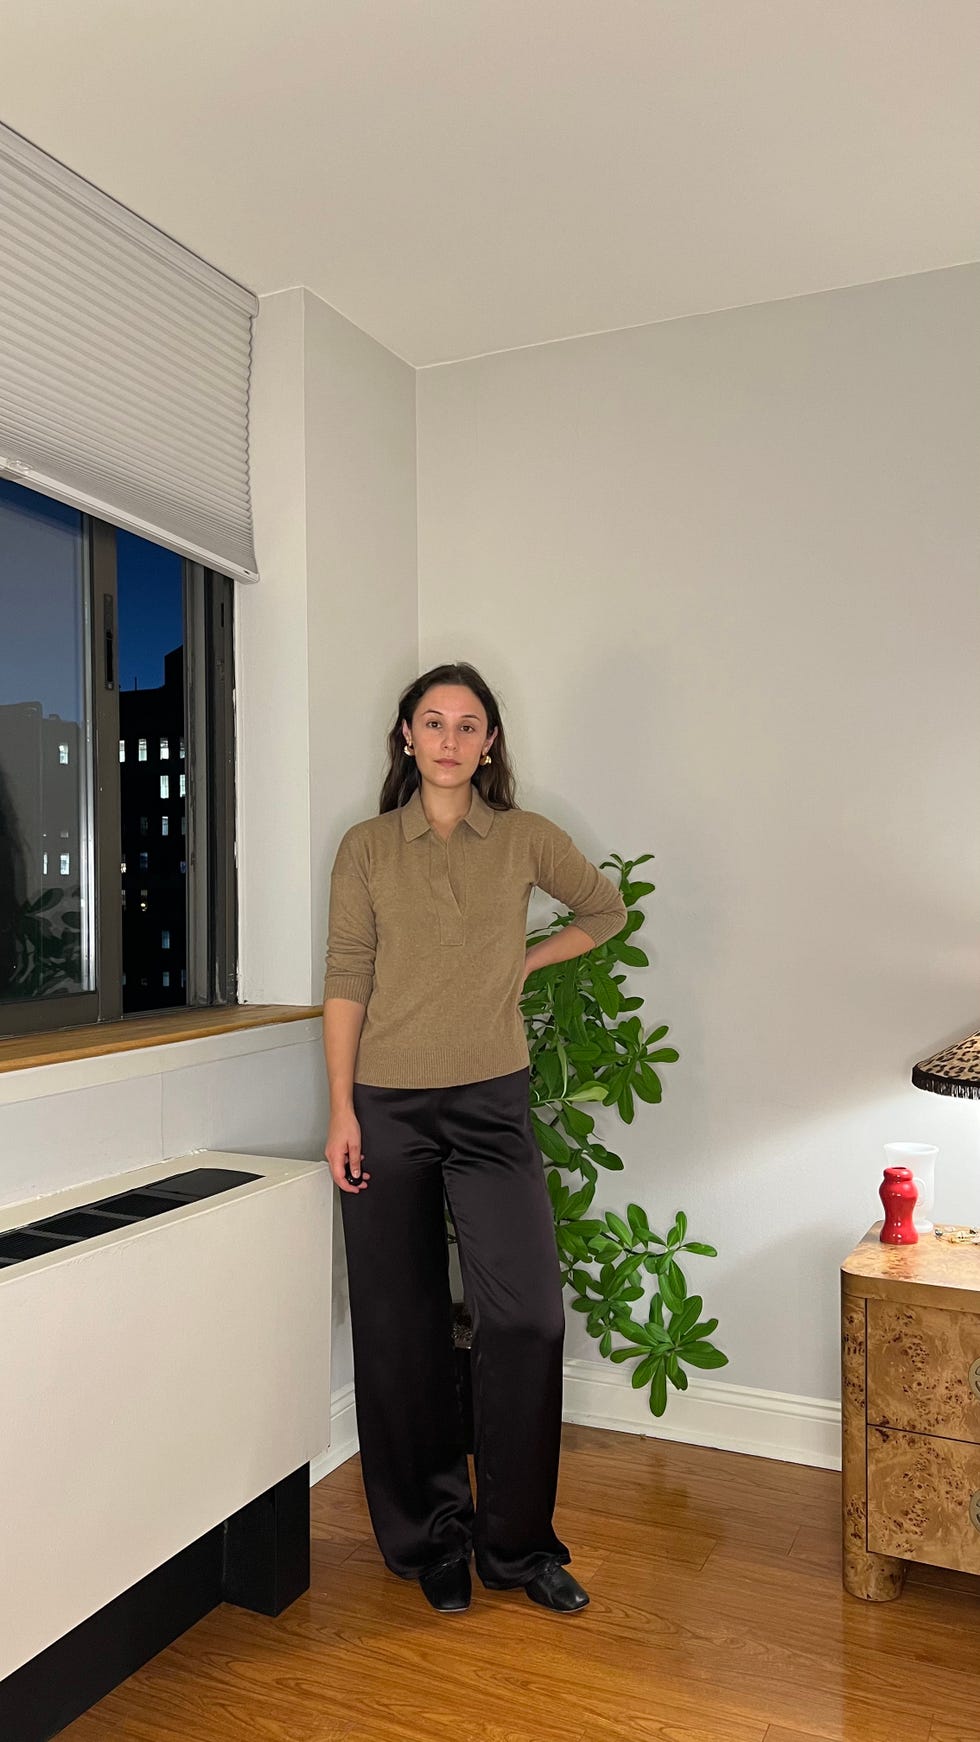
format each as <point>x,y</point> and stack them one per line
<point>46,848</point>
<point>151,709</point>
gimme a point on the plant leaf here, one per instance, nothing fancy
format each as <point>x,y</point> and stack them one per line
<point>703,1355</point>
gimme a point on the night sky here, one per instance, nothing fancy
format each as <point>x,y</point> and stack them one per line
<point>150,610</point>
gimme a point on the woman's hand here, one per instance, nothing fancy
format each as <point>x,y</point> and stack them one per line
<point>343,1145</point>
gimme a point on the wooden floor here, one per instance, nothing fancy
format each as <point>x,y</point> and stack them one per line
<point>717,1615</point>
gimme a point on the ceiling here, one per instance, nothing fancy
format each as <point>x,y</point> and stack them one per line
<point>464,176</point>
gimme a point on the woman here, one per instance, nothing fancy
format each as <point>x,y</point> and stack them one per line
<point>429,1073</point>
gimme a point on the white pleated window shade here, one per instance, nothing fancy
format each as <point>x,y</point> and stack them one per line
<point>124,366</point>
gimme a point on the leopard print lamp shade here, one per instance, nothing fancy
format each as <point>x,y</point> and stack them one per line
<point>954,1071</point>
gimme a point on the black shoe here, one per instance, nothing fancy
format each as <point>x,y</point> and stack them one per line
<point>447,1585</point>
<point>556,1589</point>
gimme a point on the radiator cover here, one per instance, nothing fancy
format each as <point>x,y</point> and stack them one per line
<point>155,1378</point>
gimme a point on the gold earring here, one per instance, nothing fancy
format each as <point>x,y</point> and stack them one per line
<point>408,750</point>
<point>485,758</point>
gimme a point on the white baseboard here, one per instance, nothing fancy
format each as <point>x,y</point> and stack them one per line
<point>735,1418</point>
<point>343,1435</point>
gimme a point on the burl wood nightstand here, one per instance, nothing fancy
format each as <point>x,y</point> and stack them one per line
<point>910,1411</point>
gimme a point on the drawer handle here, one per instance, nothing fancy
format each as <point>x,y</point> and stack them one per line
<point>973,1378</point>
<point>975,1509</point>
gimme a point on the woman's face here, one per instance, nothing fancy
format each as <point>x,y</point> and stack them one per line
<point>449,734</point>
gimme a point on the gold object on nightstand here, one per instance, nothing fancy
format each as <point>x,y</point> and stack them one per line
<point>910,1410</point>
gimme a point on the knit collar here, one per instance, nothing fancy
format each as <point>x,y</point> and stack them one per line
<point>415,822</point>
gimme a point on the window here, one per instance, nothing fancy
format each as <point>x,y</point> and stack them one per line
<point>106,638</point>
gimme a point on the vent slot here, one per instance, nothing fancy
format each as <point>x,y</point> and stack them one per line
<point>88,1221</point>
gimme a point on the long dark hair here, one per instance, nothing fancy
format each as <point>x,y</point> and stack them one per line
<point>495,783</point>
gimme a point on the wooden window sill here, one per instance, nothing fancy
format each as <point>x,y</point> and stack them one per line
<point>23,1052</point>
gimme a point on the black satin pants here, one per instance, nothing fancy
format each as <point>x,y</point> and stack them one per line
<point>474,1142</point>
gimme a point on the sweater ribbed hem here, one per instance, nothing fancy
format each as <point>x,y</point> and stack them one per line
<point>441,1067</point>
<point>600,926</point>
<point>355,986</point>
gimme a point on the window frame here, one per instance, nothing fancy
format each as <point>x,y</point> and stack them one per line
<point>209,763</point>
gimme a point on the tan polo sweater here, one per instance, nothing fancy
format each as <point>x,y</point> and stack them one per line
<point>430,936</point>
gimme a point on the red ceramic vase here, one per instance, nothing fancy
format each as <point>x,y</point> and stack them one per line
<point>898,1194</point>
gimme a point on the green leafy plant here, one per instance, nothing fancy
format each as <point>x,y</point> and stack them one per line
<point>587,1044</point>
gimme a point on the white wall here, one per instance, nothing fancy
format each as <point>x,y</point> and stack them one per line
<point>362,591</point>
<point>272,723</point>
<point>330,633</point>
<point>723,572</point>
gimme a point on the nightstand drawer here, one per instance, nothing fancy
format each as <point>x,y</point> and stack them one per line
<point>923,1498</point>
<point>923,1364</point>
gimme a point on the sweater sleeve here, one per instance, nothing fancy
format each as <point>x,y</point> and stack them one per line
<point>351,932</point>
<point>565,872</point>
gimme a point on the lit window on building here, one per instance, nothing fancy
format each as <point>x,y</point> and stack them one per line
<point>164,786</point>
<point>182,786</point>
<point>164,749</point>
<point>141,750</point>
<point>183,864</point>
<point>182,750</point>
<point>44,865</point>
<point>65,864</point>
<point>164,825</point>
<point>122,749</point>
<point>144,825</point>
<point>166,976</point>
<point>63,755</point>
<point>144,903</point>
<point>164,940</point>
<point>122,864</point>
<point>144,861</point>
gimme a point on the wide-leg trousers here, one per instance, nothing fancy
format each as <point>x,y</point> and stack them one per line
<point>474,1143</point>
